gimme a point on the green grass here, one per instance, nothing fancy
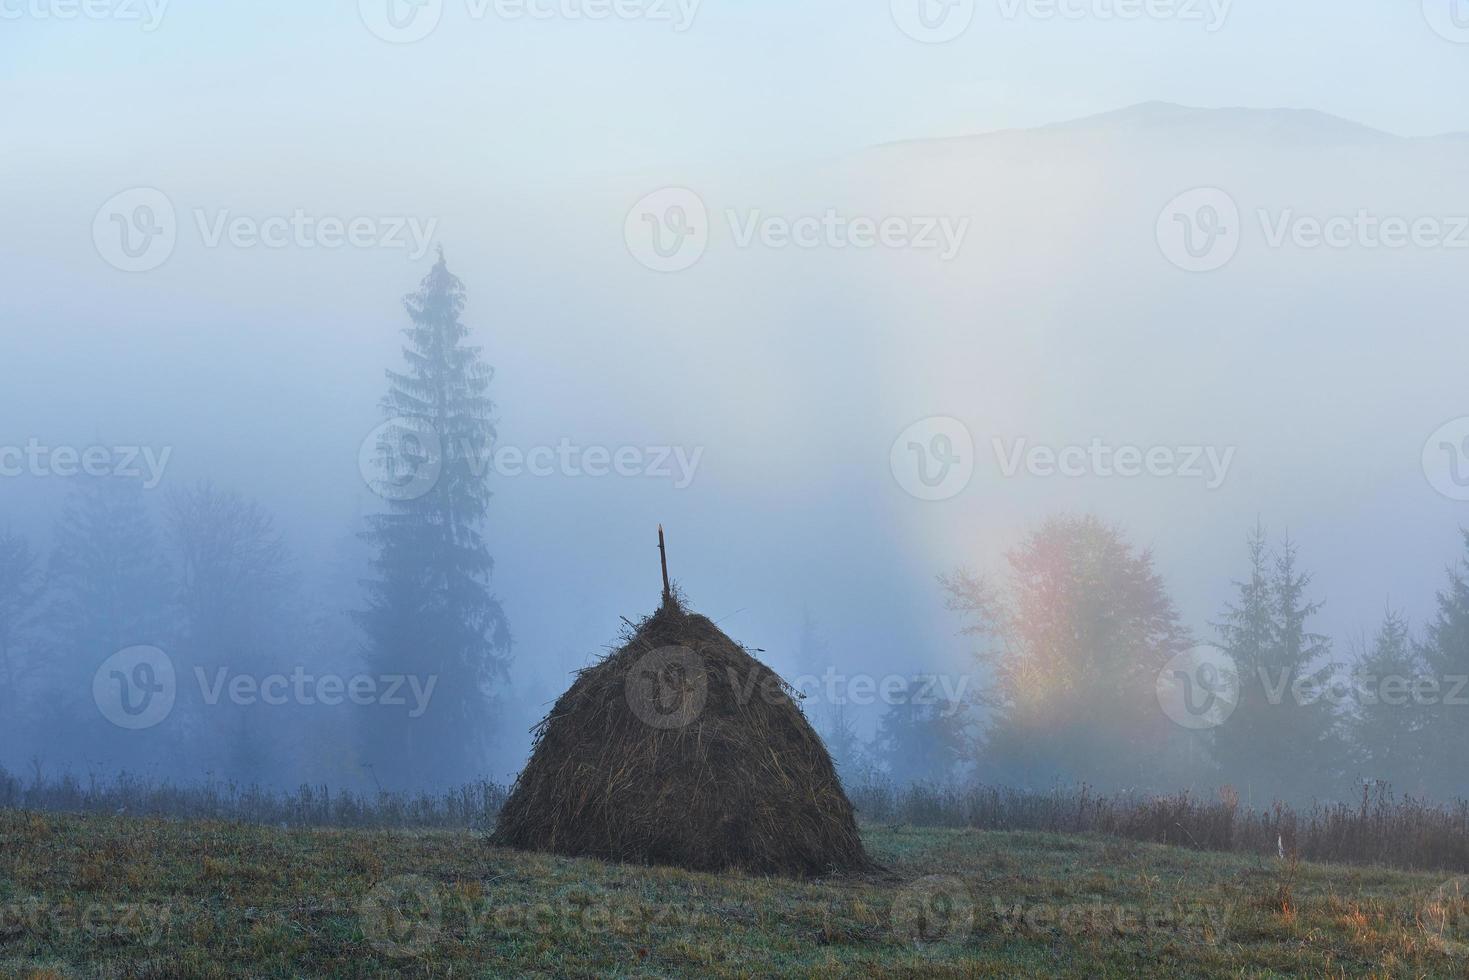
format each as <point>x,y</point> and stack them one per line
<point>120,897</point>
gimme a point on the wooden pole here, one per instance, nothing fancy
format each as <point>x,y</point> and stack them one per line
<point>663,558</point>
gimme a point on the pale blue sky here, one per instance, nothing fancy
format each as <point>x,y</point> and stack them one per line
<point>279,85</point>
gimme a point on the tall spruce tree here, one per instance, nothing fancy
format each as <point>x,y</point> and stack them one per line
<point>1283,740</point>
<point>1387,721</point>
<point>813,654</point>
<point>922,739</point>
<point>845,745</point>
<point>1246,632</point>
<point>1315,728</point>
<point>1446,653</point>
<point>430,612</point>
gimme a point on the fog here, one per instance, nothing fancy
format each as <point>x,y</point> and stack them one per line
<point>969,232</point>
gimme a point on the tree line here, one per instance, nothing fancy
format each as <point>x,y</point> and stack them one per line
<point>208,578</point>
<point>1078,643</point>
<point>1070,639</point>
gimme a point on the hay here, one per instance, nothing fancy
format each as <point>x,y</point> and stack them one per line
<point>680,748</point>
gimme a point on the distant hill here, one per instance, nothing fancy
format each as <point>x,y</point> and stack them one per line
<point>1170,121</point>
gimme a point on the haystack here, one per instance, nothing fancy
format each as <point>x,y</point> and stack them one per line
<point>681,748</point>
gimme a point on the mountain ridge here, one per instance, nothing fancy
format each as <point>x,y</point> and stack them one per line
<point>1282,126</point>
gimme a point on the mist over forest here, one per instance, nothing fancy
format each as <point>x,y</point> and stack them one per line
<point>1007,447</point>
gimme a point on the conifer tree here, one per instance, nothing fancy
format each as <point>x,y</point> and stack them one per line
<point>431,614</point>
<point>1388,719</point>
<point>921,738</point>
<point>1246,633</point>
<point>1283,740</point>
<point>1446,653</point>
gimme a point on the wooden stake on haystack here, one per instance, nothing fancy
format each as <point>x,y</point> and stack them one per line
<point>663,557</point>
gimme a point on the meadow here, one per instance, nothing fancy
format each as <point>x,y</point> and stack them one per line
<point>93,895</point>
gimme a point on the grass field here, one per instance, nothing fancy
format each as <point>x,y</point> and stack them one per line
<point>121,897</point>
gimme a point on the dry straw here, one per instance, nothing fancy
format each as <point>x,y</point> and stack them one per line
<point>728,775</point>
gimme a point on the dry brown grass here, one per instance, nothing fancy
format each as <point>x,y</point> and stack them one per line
<point>727,775</point>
